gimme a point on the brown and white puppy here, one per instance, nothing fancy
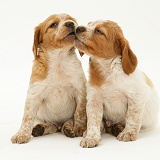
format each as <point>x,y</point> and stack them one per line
<point>117,91</point>
<point>57,94</point>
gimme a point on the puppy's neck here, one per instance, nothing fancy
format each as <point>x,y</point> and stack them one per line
<point>105,63</point>
<point>102,69</point>
<point>61,52</point>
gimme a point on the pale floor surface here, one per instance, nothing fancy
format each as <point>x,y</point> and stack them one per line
<point>59,147</point>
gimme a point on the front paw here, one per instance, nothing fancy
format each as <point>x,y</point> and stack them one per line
<point>89,142</point>
<point>127,136</point>
<point>20,137</point>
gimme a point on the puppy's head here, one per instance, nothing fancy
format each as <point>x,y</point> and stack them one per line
<point>57,31</point>
<point>105,39</point>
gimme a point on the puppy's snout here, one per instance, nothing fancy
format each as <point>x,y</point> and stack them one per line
<point>69,25</point>
<point>80,29</point>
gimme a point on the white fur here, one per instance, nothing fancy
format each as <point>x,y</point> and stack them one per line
<point>59,89</point>
<point>56,97</point>
<point>119,88</point>
<point>125,99</point>
<point>119,95</point>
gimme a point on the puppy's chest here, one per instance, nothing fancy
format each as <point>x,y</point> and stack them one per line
<point>61,71</point>
<point>58,70</point>
<point>113,92</point>
<point>114,101</point>
<point>60,79</point>
<point>114,88</point>
<point>59,103</point>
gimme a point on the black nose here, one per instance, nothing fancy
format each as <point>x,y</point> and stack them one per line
<point>80,29</point>
<point>69,25</point>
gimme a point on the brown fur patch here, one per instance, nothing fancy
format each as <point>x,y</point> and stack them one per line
<point>129,59</point>
<point>46,37</point>
<point>148,81</point>
<point>116,129</point>
<point>40,67</point>
<point>96,78</point>
<point>38,130</point>
<point>107,41</point>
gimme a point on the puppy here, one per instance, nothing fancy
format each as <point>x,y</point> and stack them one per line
<point>56,97</point>
<point>117,90</point>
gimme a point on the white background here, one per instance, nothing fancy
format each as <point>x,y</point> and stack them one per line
<point>140,21</point>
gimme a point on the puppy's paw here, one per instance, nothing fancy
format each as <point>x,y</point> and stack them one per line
<point>38,130</point>
<point>68,130</point>
<point>20,137</point>
<point>78,131</point>
<point>127,136</point>
<point>89,142</point>
<point>116,129</point>
<point>71,130</point>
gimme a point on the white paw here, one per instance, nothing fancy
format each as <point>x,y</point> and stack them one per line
<point>20,137</point>
<point>89,142</point>
<point>127,136</point>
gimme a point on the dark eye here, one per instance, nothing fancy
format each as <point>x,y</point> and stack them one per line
<point>99,31</point>
<point>53,25</point>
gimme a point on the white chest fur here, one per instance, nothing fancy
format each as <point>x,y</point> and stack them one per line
<point>119,88</point>
<point>59,87</point>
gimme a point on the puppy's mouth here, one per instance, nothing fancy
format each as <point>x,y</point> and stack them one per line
<point>71,34</point>
<point>79,43</point>
<point>70,37</point>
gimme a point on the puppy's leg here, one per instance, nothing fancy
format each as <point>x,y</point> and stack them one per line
<point>44,129</point>
<point>80,117</point>
<point>102,129</point>
<point>77,125</point>
<point>94,114</point>
<point>33,102</point>
<point>133,122</point>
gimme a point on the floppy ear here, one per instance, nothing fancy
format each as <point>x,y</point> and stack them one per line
<point>37,40</point>
<point>129,59</point>
<point>81,53</point>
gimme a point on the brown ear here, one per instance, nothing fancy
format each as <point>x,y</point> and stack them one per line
<point>81,53</point>
<point>129,59</point>
<point>37,40</point>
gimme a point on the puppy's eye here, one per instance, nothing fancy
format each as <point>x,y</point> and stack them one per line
<point>53,25</point>
<point>99,31</point>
